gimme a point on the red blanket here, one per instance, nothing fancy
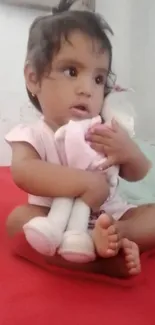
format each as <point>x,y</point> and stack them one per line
<point>30,295</point>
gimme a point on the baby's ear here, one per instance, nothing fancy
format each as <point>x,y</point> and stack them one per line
<point>31,80</point>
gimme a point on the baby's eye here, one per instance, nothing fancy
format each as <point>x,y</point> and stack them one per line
<point>100,80</point>
<point>71,72</point>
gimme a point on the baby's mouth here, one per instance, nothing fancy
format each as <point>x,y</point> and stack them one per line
<point>82,108</point>
<point>80,111</point>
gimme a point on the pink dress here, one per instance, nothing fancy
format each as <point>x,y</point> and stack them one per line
<point>40,136</point>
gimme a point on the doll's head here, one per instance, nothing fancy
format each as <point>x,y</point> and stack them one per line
<point>117,106</point>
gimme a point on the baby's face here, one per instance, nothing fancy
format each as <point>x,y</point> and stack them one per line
<point>75,87</point>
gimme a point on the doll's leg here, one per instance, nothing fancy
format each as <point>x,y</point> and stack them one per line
<point>36,229</point>
<point>77,245</point>
<point>45,234</point>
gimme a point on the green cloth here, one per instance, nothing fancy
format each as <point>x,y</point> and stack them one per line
<point>141,192</point>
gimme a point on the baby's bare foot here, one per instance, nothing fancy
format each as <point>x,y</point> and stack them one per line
<point>106,237</point>
<point>132,257</point>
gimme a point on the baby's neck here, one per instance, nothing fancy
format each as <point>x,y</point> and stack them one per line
<point>52,125</point>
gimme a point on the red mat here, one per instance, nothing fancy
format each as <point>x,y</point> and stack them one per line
<point>30,295</point>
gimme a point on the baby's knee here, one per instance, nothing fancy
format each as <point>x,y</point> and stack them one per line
<point>14,222</point>
<point>21,215</point>
<point>10,224</point>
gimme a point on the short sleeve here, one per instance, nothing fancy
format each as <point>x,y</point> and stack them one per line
<point>28,134</point>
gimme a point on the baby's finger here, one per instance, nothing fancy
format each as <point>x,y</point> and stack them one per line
<point>91,128</point>
<point>94,138</point>
<point>108,163</point>
<point>97,139</point>
<point>104,132</point>
<point>97,147</point>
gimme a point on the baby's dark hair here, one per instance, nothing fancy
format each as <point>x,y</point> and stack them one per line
<point>46,34</point>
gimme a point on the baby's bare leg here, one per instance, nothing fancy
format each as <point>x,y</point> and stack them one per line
<point>108,240</point>
<point>115,267</point>
<point>138,225</point>
<point>21,215</point>
<point>106,237</point>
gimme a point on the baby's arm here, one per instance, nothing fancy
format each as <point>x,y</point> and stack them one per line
<point>137,167</point>
<point>41,178</point>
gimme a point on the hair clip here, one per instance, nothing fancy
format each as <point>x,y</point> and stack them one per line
<point>120,89</point>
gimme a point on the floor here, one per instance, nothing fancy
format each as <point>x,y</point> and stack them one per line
<point>31,295</point>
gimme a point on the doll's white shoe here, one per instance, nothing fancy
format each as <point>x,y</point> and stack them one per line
<point>77,247</point>
<point>40,236</point>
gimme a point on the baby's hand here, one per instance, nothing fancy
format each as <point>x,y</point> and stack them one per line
<point>114,142</point>
<point>97,190</point>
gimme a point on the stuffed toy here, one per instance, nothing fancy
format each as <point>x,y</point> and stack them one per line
<point>65,229</point>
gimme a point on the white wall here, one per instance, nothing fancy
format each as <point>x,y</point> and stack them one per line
<point>121,40</point>
<point>142,63</point>
<point>14,108</point>
<point>133,22</point>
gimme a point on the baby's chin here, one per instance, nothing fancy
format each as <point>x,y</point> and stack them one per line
<point>75,118</point>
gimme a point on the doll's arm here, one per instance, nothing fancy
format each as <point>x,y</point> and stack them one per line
<point>75,151</point>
